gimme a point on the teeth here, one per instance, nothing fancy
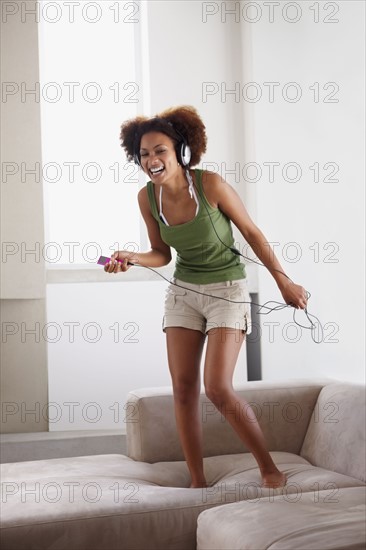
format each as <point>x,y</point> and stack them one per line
<point>154,170</point>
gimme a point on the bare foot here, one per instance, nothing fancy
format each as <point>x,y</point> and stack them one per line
<point>198,484</point>
<point>273,480</point>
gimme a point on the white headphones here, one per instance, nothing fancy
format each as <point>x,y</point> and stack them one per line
<point>182,149</point>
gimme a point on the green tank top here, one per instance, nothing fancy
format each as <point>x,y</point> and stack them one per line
<point>201,257</point>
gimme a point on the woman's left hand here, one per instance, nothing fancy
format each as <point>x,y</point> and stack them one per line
<point>295,295</point>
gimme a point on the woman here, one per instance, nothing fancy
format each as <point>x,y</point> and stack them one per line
<point>192,211</point>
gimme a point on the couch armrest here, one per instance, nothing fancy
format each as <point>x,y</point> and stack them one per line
<point>335,439</point>
<point>283,409</point>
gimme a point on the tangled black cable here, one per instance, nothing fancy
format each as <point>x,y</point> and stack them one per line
<point>280,305</point>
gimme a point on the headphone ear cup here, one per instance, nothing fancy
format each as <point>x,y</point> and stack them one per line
<point>185,154</point>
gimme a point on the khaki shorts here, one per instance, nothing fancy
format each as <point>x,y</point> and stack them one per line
<point>184,308</point>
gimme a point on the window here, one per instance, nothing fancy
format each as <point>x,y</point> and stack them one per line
<point>87,89</point>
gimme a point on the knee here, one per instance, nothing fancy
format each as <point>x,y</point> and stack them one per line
<point>185,391</point>
<point>217,392</point>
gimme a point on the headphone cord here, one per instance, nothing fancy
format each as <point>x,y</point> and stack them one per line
<point>278,307</point>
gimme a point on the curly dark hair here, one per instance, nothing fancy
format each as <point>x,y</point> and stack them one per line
<point>183,119</point>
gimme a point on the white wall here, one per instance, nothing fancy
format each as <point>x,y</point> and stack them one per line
<point>23,276</point>
<point>116,346</point>
<point>308,212</point>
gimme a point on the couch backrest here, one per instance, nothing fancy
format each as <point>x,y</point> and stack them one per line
<point>283,409</point>
<point>335,438</point>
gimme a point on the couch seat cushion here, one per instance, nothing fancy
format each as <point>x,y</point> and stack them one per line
<point>316,520</point>
<point>111,501</point>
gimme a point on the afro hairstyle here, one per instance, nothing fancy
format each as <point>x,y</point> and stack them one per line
<point>173,122</point>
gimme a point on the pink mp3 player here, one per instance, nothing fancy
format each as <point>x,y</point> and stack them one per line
<point>104,260</point>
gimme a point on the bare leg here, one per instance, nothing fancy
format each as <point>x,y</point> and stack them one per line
<point>223,347</point>
<point>185,348</point>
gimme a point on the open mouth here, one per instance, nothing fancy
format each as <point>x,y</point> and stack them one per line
<point>157,171</point>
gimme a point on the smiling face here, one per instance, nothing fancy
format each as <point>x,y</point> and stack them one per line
<point>158,157</point>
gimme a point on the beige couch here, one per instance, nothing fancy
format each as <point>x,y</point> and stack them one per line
<point>315,432</point>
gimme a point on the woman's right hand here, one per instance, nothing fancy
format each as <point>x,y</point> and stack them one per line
<point>118,262</point>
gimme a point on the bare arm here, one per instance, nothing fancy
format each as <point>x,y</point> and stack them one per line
<point>160,253</point>
<point>229,202</point>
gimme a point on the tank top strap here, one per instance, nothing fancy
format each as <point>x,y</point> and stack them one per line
<point>198,173</point>
<point>201,193</point>
<point>151,197</point>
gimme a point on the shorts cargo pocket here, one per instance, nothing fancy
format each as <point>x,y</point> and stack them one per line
<point>241,301</point>
<point>174,298</point>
